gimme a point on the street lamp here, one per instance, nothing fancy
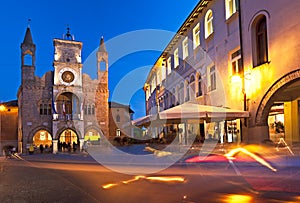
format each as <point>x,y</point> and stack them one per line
<point>2,109</point>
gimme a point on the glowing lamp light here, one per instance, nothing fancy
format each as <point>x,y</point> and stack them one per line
<point>236,79</point>
<point>2,108</point>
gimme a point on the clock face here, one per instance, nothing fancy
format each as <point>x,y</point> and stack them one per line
<point>68,76</point>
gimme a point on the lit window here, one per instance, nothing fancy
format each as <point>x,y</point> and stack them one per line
<point>185,48</point>
<point>212,78</point>
<point>236,62</point>
<point>163,72</point>
<point>153,84</point>
<point>196,36</point>
<point>176,58</point>
<point>158,76</point>
<point>230,6</point>
<point>169,68</point>
<point>209,29</point>
<point>118,132</point>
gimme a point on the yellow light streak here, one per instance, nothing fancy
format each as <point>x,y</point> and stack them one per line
<point>167,179</point>
<point>109,185</point>
<point>151,178</point>
<point>134,179</point>
<point>233,198</point>
<point>233,152</point>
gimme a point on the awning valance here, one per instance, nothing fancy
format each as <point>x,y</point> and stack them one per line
<point>191,110</point>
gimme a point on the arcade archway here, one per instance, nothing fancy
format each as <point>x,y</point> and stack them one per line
<point>42,137</point>
<point>68,141</point>
<point>92,137</point>
<point>280,109</point>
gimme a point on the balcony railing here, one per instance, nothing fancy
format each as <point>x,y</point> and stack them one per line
<point>67,117</point>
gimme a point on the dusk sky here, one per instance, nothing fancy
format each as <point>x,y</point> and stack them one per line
<point>123,24</point>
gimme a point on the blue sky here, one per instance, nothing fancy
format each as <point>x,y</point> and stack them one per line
<point>120,22</point>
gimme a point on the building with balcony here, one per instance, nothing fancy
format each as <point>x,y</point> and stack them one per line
<point>230,73</point>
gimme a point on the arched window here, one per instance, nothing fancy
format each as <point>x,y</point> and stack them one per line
<point>28,60</point>
<point>89,110</point>
<point>45,109</point>
<point>181,93</point>
<point>49,109</point>
<point>192,87</point>
<point>93,109</point>
<point>85,110</point>
<point>173,98</point>
<point>167,101</point>
<point>212,81</point>
<point>209,29</point>
<point>118,119</point>
<point>187,91</point>
<point>178,95</point>
<point>199,93</point>
<point>260,41</point>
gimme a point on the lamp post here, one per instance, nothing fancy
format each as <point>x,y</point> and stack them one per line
<point>2,109</point>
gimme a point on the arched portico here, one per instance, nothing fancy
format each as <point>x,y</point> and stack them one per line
<point>93,135</point>
<point>286,90</point>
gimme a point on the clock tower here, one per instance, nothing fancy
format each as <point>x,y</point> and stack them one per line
<point>67,62</point>
<point>67,89</point>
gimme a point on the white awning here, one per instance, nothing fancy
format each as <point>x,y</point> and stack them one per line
<point>144,120</point>
<point>191,110</point>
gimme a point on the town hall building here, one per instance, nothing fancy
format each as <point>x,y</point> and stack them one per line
<point>64,106</point>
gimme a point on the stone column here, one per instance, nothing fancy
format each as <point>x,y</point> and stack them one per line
<point>54,146</point>
<point>81,141</point>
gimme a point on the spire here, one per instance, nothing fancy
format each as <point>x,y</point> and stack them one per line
<point>102,47</point>
<point>28,37</point>
<point>68,35</point>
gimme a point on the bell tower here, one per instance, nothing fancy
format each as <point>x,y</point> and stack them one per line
<point>27,57</point>
<point>102,60</point>
<point>102,93</point>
